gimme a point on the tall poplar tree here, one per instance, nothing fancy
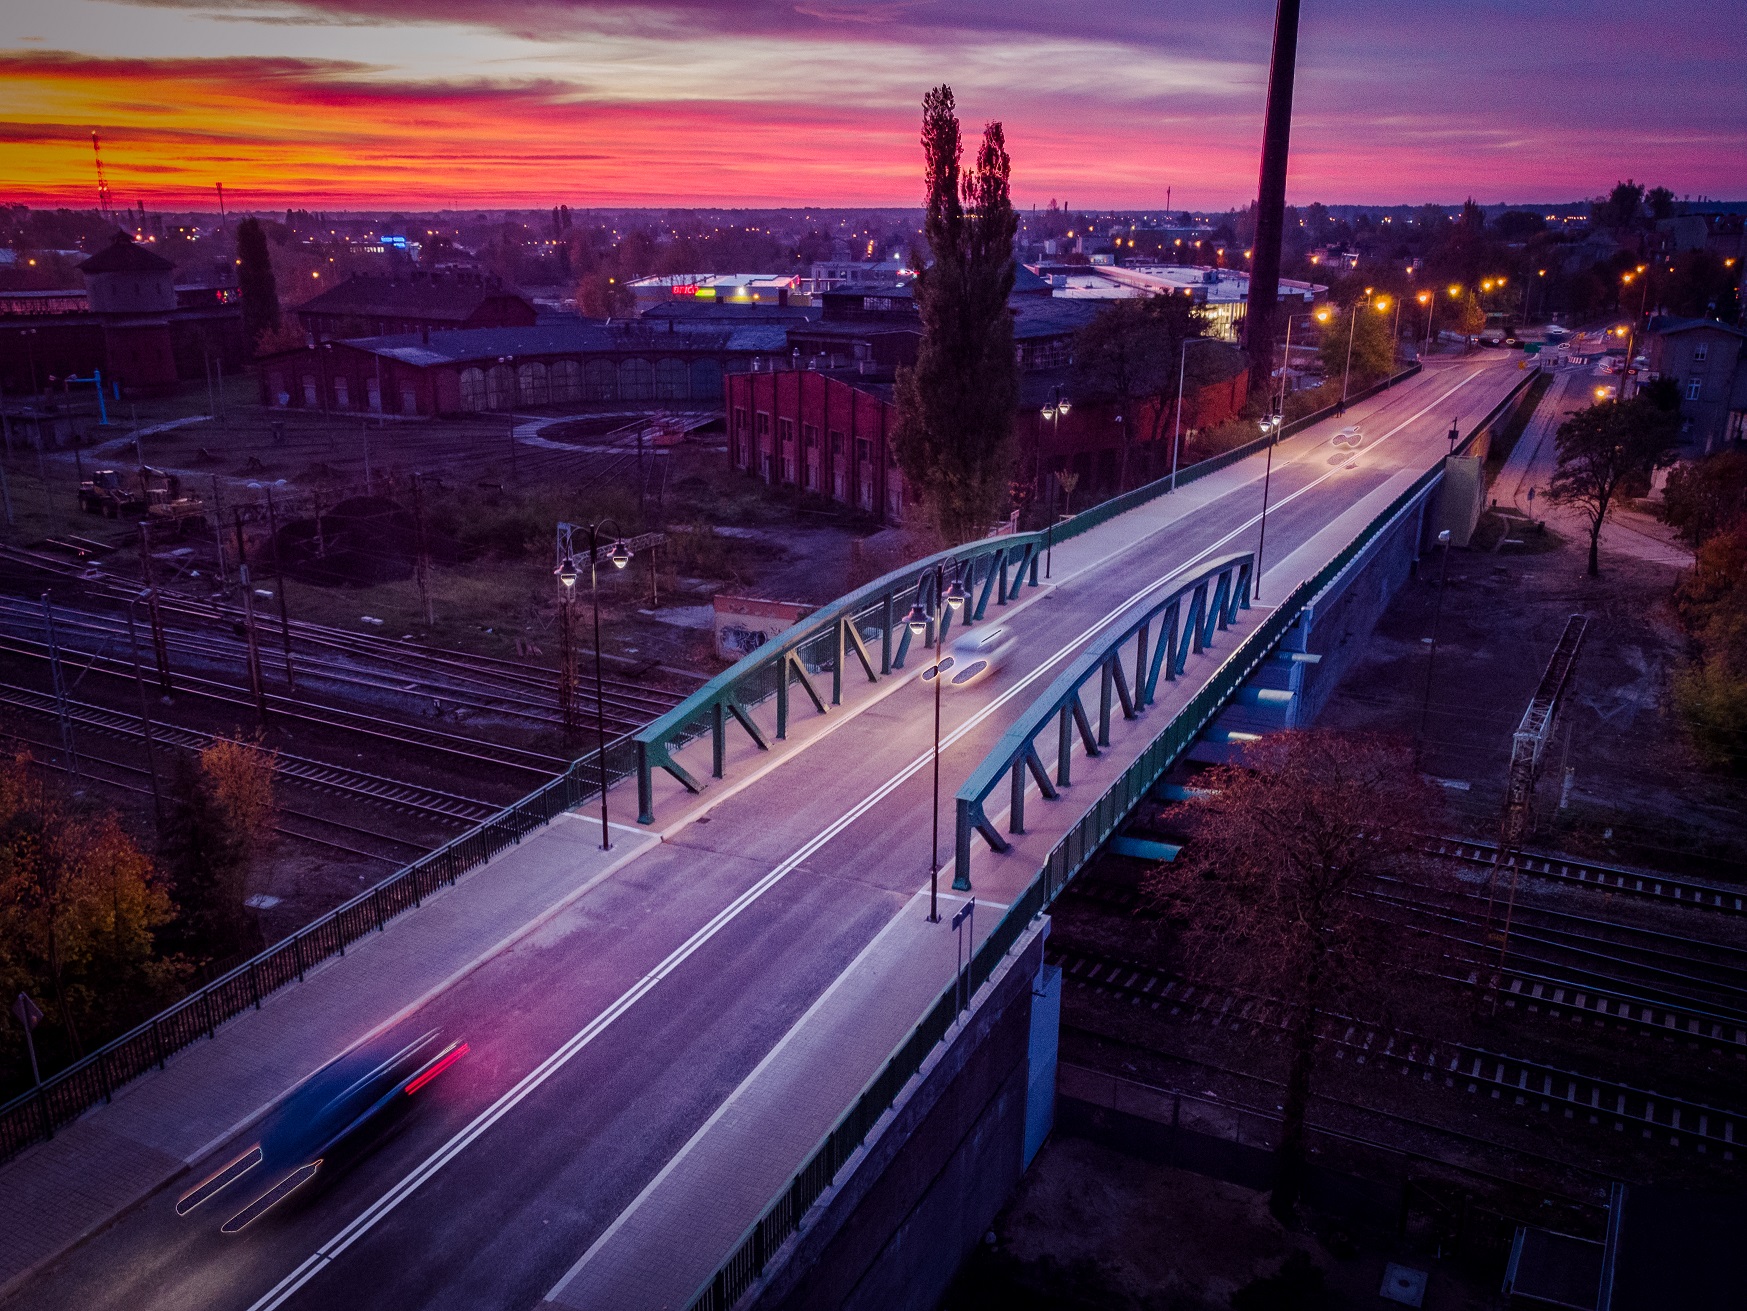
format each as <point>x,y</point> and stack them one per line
<point>255,281</point>
<point>956,407</point>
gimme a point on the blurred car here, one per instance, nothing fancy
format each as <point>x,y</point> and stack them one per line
<point>331,1116</point>
<point>972,658</point>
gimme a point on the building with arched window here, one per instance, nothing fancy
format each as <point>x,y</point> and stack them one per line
<point>529,368</point>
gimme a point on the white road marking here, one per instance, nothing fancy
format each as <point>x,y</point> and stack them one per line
<point>378,1210</point>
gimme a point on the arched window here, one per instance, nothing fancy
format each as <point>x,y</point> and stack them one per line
<point>670,380</point>
<point>706,380</point>
<point>566,382</point>
<point>531,384</point>
<point>636,380</point>
<point>500,387</point>
<point>473,389</point>
<point>600,381</point>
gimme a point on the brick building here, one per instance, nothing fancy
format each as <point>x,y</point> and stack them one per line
<point>828,431</point>
<point>367,305</point>
<point>480,369</point>
<point>132,321</point>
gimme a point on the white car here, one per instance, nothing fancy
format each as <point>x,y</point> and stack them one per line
<point>971,659</point>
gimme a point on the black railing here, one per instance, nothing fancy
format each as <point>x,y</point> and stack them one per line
<point>69,1093</point>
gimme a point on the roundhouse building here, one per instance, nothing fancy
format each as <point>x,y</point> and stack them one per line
<point>482,369</point>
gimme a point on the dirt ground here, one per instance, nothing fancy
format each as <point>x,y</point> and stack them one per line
<point>1093,1228</point>
<point>1620,781</point>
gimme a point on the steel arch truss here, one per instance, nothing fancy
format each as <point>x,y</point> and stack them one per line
<point>1156,644</point>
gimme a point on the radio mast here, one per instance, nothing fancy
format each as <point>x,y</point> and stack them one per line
<point>103,204</point>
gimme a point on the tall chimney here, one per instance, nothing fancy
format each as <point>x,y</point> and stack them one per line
<point>1271,202</point>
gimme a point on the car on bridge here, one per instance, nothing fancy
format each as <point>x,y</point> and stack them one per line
<point>973,658</point>
<point>330,1118</point>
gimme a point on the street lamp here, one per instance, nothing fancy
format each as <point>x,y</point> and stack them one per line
<point>1058,408</point>
<point>1430,302</point>
<point>1394,333</point>
<point>1270,426</point>
<point>919,620</point>
<point>567,574</point>
<point>1352,331</point>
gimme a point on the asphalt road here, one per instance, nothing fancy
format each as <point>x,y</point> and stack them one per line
<point>623,1026</point>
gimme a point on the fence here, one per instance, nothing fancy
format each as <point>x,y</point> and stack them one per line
<point>66,1095</point>
<point>831,637</point>
<point>783,1216</point>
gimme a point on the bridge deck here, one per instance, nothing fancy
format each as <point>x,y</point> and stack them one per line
<point>652,1061</point>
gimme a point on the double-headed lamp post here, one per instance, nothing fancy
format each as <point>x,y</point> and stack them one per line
<point>566,573</point>
<point>1058,409</point>
<point>919,619</point>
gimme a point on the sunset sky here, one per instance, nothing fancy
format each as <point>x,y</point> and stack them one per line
<point>437,103</point>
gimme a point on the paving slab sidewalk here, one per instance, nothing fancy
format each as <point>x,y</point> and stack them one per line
<point>56,1193</point>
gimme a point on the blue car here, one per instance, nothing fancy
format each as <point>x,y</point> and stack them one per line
<point>328,1114</point>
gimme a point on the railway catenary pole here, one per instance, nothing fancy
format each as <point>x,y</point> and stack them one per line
<point>60,683</point>
<point>284,615</point>
<point>422,562</point>
<point>139,683</point>
<point>257,684</point>
<point>155,615</point>
<point>218,530</point>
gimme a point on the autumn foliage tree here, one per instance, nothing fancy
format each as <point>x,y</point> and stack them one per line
<point>80,912</point>
<point>220,819</point>
<point>1274,894</point>
<point>956,406</point>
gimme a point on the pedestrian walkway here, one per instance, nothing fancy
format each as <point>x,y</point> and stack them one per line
<point>57,1192</point>
<point>1522,484</point>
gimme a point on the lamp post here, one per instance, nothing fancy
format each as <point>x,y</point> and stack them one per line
<point>566,573</point>
<point>1643,296</point>
<point>1058,407</point>
<point>1182,361</point>
<point>1270,426</point>
<point>1430,301</point>
<point>1352,331</point>
<point>919,620</point>
<point>1425,704</point>
<point>1394,337</point>
<point>1284,367</point>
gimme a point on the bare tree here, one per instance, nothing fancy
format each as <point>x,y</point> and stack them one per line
<point>1276,893</point>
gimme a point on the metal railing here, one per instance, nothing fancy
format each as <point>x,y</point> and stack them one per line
<point>782,1217</point>
<point>826,642</point>
<point>828,639</point>
<point>1188,616</point>
<point>69,1093</point>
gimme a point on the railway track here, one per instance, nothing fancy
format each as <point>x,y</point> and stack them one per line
<point>405,850</point>
<point>487,683</point>
<point>471,750</point>
<point>1602,878</point>
<point>1570,972</point>
<point>1552,1089</point>
<point>428,803</point>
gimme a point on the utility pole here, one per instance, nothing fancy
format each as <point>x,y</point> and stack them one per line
<point>256,683</point>
<point>218,530</point>
<point>279,571</point>
<point>422,563</point>
<point>139,683</point>
<point>61,708</point>
<point>1271,199</point>
<point>160,645</point>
